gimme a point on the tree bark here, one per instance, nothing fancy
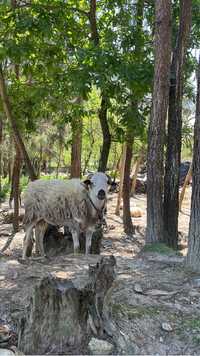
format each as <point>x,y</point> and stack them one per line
<point>15,190</point>
<point>193,256</point>
<point>173,154</point>
<point>105,149</point>
<point>186,182</point>
<point>64,313</point>
<point>122,165</point>
<point>76,148</point>
<point>1,141</point>
<point>127,220</point>
<point>16,133</point>
<point>137,167</point>
<point>156,133</point>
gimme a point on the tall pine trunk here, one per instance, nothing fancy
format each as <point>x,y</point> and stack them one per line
<point>16,133</point>
<point>173,154</point>
<point>193,256</point>
<point>156,133</point>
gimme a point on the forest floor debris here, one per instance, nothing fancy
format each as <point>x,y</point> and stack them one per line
<point>153,305</point>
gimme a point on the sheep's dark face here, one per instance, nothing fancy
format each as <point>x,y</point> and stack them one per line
<point>98,188</point>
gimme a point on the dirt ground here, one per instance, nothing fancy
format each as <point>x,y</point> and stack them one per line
<point>154,304</point>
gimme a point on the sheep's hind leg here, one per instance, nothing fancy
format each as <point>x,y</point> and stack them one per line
<point>88,242</point>
<point>40,230</point>
<point>75,237</point>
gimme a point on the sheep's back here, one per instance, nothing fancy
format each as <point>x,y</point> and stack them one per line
<point>55,201</point>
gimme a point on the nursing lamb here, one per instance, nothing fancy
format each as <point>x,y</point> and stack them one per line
<point>79,205</point>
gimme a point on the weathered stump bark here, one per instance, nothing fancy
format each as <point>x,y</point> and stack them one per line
<point>63,314</point>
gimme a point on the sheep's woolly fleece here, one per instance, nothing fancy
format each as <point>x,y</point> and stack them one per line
<point>55,201</point>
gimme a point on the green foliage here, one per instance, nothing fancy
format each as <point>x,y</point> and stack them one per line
<point>4,190</point>
<point>55,73</point>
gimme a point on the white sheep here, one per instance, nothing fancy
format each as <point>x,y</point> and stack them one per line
<point>79,205</point>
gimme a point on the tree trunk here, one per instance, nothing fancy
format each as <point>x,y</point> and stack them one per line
<point>137,167</point>
<point>64,313</point>
<point>193,256</point>
<point>16,133</point>
<point>59,160</point>
<point>156,133</point>
<point>105,149</point>
<point>1,141</point>
<point>76,148</point>
<point>186,182</point>
<point>127,220</point>
<point>10,159</point>
<point>15,191</point>
<point>87,160</point>
<point>122,166</point>
<point>173,154</point>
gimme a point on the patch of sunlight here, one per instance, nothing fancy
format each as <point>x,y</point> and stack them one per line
<point>63,274</point>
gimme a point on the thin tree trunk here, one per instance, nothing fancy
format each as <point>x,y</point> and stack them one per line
<point>156,133</point>
<point>1,141</point>
<point>127,220</point>
<point>76,148</point>
<point>122,165</point>
<point>10,159</point>
<point>59,160</point>
<point>16,188</point>
<point>105,149</point>
<point>87,160</point>
<point>137,167</point>
<point>16,133</point>
<point>186,182</point>
<point>173,154</point>
<point>193,256</point>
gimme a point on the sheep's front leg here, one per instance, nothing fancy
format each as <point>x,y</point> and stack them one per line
<point>40,230</point>
<point>75,237</point>
<point>28,242</point>
<point>88,241</point>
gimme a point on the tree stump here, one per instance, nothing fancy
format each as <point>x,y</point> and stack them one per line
<point>63,314</point>
<point>56,242</point>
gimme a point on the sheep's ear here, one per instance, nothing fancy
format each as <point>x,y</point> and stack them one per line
<point>87,183</point>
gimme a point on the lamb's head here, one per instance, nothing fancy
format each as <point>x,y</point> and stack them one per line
<point>97,186</point>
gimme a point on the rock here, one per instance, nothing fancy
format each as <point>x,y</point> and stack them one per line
<point>100,347</point>
<point>138,288</point>
<point>167,327</point>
